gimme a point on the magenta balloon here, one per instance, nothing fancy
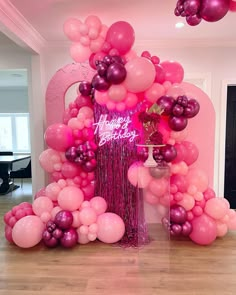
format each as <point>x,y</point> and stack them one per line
<point>64,219</point>
<point>160,74</point>
<point>177,110</point>
<point>193,20</point>
<point>177,123</point>
<point>192,108</point>
<point>191,7</point>
<point>169,153</point>
<point>166,103</point>
<point>100,83</point>
<point>175,230</point>
<point>69,238</point>
<point>121,36</point>
<point>186,228</point>
<point>85,88</point>
<point>204,230</point>
<point>214,10</point>
<point>178,214</point>
<point>116,73</point>
<point>174,72</point>
<point>180,181</point>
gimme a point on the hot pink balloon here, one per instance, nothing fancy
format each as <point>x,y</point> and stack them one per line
<point>59,137</point>
<point>140,74</point>
<point>121,36</point>
<point>204,230</point>
<point>174,72</point>
<point>28,231</point>
<point>154,92</point>
<point>191,154</point>
<point>111,228</point>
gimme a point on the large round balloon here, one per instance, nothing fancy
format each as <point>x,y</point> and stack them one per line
<point>59,137</point>
<point>212,11</point>
<point>121,36</point>
<point>174,72</point>
<point>27,232</point>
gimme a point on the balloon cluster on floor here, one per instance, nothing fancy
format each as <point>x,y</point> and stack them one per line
<point>209,10</point>
<point>67,212</point>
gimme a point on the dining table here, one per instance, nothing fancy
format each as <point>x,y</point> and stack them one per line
<point>6,166</point>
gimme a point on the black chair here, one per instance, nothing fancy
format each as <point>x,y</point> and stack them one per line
<point>6,153</point>
<point>22,173</point>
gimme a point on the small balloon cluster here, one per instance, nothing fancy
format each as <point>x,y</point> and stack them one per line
<point>177,224</point>
<point>15,214</point>
<point>196,10</point>
<point>179,110</point>
<point>83,155</point>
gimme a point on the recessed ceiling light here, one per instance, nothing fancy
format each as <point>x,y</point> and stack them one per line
<point>179,25</point>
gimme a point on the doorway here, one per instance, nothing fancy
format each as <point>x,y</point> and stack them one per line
<point>230,148</point>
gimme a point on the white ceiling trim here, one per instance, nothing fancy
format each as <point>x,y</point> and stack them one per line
<point>17,28</point>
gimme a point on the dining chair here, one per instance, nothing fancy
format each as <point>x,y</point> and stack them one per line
<point>21,173</point>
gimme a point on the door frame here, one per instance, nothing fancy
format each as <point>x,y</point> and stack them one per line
<point>222,135</point>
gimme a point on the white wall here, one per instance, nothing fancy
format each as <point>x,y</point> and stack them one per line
<point>217,64</point>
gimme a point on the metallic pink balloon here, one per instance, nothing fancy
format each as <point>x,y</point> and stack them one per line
<point>186,228</point>
<point>178,214</point>
<point>116,73</point>
<point>70,238</point>
<point>214,10</point>
<point>175,230</point>
<point>193,20</point>
<point>169,152</point>
<point>191,7</point>
<point>166,103</point>
<point>64,219</point>
<point>177,123</point>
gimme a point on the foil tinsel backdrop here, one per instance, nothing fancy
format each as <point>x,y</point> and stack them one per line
<point>113,161</point>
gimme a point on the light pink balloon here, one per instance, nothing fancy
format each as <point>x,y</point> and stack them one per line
<point>82,239</point>
<point>140,74</point>
<point>28,231</point>
<point>221,228</point>
<point>80,53</point>
<point>88,216</point>
<point>204,230</point>
<point>232,224</point>
<point>41,205</point>
<point>52,191</point>
<point>45,217</point>
<point>175,90</point>
<point>150,198</point>
<point>59,137</point>
<point>71,29</point>
<point>216,208</point>
<point>55,210</point>
<point>139,175</point>
<point>154,92</point>
<point>117,92</point>
<point>93,21</point>
<point>48,159</point>
<point>76,219</point>
<point>197,177</point>
<point>99,205</point>
<point>70,198</point>
<point>158,186</point>
<point>187,202</point>
<point>111,228</point>
<point>101,97</point>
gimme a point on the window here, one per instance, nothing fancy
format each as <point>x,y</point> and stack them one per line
<point>14,132</point>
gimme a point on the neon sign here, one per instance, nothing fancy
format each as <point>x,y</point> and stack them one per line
<point>115,129</point>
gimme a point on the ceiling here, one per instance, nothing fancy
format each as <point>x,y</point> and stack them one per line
<point>151,19</point>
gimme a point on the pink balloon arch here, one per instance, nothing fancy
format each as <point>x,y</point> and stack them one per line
<point>135,134</point>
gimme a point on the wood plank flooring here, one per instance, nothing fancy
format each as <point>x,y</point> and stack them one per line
<point>162,267</point>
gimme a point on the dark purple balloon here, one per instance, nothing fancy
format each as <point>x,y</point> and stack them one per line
<point>118,59</point>
<point>51,226</point>
<point>52,243</point>
<point>191,7</point>
<point>85,88</point>
<point>177,123</point>
<point>64,219</point>
<point>214,10</point>
<point>177,110</point>
<point>69,238</point>
<point>186,228</point>
<point>102,69</point>
<point>192,108</point>
<point>193,20</point>
<point>47,235</point>
<point>58,233</point>
<point>71,154</point>
<point>100,83</point>
<point>178,214</point>
<point>107,59</point>
<point>169,152</point>
<point>175,230</point>
<point>116,73</point>
<point>166,103</point>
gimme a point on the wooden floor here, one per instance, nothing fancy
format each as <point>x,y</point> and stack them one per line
<point>162,267</point>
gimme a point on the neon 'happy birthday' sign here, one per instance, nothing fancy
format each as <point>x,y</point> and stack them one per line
<point>115,129</point>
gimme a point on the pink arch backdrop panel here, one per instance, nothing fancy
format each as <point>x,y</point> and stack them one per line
<point>59,84</point>
<point>201,129</point>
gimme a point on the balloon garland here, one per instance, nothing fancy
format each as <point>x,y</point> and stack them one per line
<point>130,100</point>
<point>209,10</point>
